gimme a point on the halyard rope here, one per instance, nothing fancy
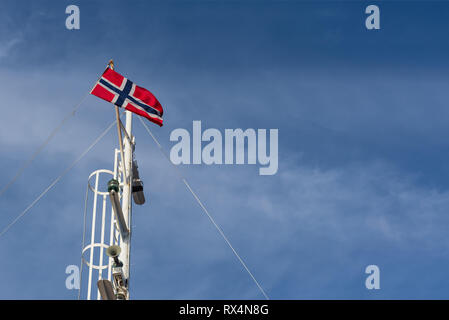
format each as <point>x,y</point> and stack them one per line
<point>205,210</point>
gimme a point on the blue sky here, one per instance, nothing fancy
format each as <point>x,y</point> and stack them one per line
<point>362,119</point>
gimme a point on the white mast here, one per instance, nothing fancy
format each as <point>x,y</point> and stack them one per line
<point>125,244</point>
<point>121,187</point>
<point>127,158</point>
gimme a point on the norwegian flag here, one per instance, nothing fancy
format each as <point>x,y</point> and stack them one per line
<point>115,88</point>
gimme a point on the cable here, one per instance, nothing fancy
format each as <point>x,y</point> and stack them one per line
<point>63,173</point>
<point>205,211</point>
<point>83,241</point>
<point>44,144</point>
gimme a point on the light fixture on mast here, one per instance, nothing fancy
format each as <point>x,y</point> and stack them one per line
<point>120,283</point>
<point>137,187</point>
<point>113,189</point>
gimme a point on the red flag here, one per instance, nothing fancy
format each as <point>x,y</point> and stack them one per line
<point>115,88</point>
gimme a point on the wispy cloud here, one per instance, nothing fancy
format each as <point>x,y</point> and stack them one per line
<point>6,46</point>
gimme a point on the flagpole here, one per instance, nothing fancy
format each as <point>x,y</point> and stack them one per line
<point>120,138</point>
<point>119,130</point>
<point>126,156</point>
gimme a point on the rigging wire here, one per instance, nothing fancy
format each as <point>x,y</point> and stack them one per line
<point>55,181</point>
<point>84,240</point>
<point>44,144</point>
<point>205,211</point>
